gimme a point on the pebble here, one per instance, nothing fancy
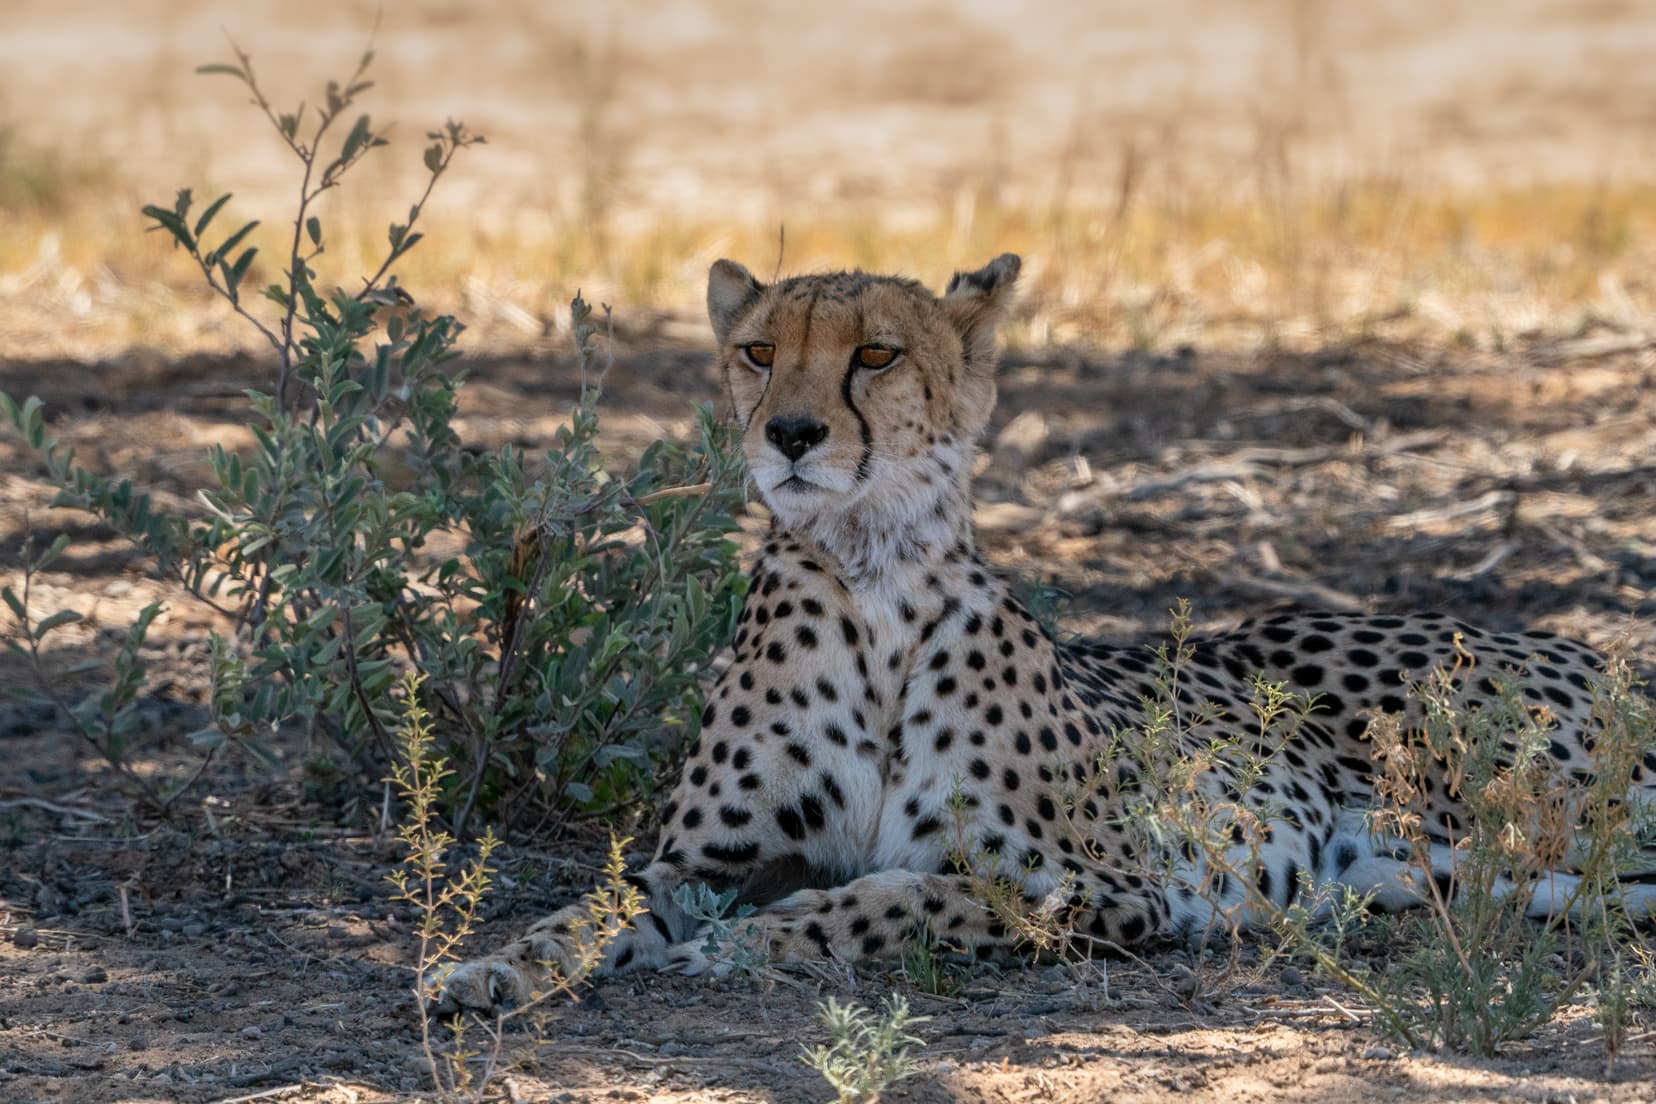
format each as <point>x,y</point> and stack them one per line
<point>137,1042</point>
<point>1292,976</point>
<point>194,929</point>
<point>25,938</point>
<point>1378,1053</point>
<point>97,975</point>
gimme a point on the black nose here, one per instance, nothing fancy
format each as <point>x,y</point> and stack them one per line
<point>794,437</point>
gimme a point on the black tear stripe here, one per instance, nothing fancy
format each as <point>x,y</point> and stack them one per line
<point>748,421</point>
<point>862,422</point>
<point>763,391</point>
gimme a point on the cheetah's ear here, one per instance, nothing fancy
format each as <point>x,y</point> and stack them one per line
<point>731,289</point>
<point>975,302</point>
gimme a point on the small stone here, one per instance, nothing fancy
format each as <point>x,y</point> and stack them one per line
<point>1378,1054</point>
<point>1185,980</point>
<point>97,975</point>
<point>251,1032</point>
<point>137,1042</point>
<point>1292,977</point>
<point>195,929</point>
<point>25,938</point>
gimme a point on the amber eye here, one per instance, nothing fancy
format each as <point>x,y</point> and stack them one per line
<point>875,357</point>
<point>760,354</point>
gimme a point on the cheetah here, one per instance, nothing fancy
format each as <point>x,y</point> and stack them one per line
<point>890,698</point>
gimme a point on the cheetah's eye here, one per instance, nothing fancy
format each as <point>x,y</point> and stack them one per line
<point>760,354</point>
<point>876,357</point>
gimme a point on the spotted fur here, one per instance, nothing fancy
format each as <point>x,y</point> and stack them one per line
<point>891,701</point>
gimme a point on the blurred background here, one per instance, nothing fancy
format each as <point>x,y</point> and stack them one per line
<point>1226,173</point>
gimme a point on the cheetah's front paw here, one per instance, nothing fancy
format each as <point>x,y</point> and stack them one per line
<point>692,960</point>
<point>490,985</point>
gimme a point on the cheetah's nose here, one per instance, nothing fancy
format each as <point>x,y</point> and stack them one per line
<point>794,437</point>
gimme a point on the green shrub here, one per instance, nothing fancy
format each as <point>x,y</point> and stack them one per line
<point>866,1054</point>
<point>560,616</point>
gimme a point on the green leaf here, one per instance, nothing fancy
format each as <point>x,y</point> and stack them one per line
<point>11,600</point>
<point>434,156</point>
<point>355,140</point>
<point>210,737</point>
<point>48,557</point>
<point>56,621</point>
<point>207,215</point>
<point>313,227</point>
<point>172,223</point>
<point>239,269</point>
<point>234,239</point>
<point>31,421</point>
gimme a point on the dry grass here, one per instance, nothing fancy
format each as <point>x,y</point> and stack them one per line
<point>1367,258</point>
<point>1219,174</point>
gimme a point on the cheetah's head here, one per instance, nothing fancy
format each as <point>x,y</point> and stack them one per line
<point>859,397</point>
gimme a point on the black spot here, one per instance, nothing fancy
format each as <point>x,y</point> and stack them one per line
<point>791,823</point>
<point>733,854</point>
